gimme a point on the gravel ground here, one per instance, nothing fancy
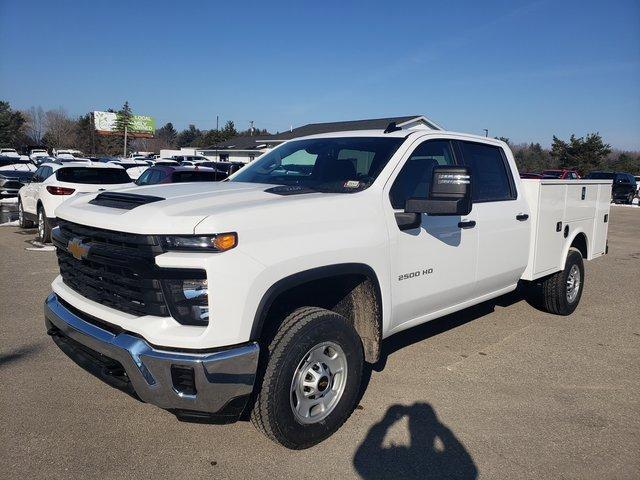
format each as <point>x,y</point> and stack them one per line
<point>497,391</point>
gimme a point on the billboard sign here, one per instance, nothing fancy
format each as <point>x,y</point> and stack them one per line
<point>142,125</point>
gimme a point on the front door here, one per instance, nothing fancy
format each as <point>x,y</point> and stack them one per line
<point>433,267</point>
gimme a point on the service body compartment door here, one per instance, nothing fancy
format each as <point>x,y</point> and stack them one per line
<point>548,238</point>
<point>601,222</point>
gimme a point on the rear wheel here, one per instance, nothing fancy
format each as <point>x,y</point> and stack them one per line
<point>22,221</point>
<point>44,226</point>
<point>311,379</point>
<point>561,292</point>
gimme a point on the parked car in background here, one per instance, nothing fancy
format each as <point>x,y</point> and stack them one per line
<point>637,179</point>
<point>133,166</point>
<point>561,174</point>
<point>166,162</point>
<point>53,183</point>
<point>67,152</point>
<point>9,152</point>
<point>624,185</point>
<point>228,168</point>
<point>37,161</point>
<point>11,181</point>
<point>36,153</point>
<point>170,174</point>
<point>189,159</point>
<point>536,176</point>
<point>16,164</point>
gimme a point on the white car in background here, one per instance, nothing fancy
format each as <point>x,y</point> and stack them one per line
<point>9,152</point>
<point>36,153</point>
<point>134,167</point>
<point>54,183</point>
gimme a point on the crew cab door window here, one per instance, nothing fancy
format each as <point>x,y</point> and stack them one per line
<point>414,180</point>
<point>491,180</point>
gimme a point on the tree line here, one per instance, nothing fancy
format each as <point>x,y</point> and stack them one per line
<point>56,129</point>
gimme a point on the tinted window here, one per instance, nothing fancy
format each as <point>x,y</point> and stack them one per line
<point>94,176</point>
<point>151,176</point>
<point>179,177</point>
<point>326,164</point>
<point>46,172</point>
<point>491,180</point>
<point>600,176</point>
<point>414,180</point>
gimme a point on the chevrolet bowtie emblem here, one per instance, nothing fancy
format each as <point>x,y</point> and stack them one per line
<point>78,249</point>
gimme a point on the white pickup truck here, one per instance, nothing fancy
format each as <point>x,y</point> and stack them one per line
<point>266,294</point>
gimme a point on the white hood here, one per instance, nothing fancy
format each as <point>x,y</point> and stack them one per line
<point>183,207</point>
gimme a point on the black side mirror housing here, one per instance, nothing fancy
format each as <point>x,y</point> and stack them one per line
<point>450,193</point>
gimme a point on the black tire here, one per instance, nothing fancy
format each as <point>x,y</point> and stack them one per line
<point>273,410</point>
<point>22,221</point>
<point>555,297</point>
<point>44,226</point>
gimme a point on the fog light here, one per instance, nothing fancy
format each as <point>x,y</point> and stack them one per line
<point>188,300</point>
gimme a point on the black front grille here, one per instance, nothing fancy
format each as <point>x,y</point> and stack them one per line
<point>118,271</point>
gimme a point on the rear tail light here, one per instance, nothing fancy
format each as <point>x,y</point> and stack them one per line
<point>60,190</point>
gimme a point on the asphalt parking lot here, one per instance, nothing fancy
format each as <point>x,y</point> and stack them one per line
<point>498,391</point>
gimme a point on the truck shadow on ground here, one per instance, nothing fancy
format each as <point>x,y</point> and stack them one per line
<point>442,324</point>
<point>433,451</point>
<point>21,353</point>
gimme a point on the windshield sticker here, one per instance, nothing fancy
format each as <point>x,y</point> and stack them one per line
<point>351,184</point>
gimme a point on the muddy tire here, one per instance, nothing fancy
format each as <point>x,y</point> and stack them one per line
<point>311,379</point>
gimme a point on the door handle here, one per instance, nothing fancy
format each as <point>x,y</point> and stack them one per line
<point>522,217</point>
<point>467,224</point>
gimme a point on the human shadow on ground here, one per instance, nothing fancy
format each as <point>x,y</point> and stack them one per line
<point>433,451</point>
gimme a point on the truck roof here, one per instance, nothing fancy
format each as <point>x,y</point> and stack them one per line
<point>402,134</point>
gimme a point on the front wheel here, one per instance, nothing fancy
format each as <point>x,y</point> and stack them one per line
<point>312,378</point>
<point>561,292</point>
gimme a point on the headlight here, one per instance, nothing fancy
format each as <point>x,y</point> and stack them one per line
<point>215,243</point>
<point>188,300</point>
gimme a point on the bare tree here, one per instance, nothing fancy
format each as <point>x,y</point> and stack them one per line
<point>60,129</point>
<point>35,124</point>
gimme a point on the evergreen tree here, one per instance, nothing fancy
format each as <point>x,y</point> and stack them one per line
<point>124,118</point>
<point>11,126</point>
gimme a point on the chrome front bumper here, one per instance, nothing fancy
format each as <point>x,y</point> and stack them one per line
<point>222,380</point>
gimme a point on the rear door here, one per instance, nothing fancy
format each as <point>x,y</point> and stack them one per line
<point>502,216</point>
<point>433,267</point>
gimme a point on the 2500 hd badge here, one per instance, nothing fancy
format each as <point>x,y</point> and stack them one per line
<point>417,273</point>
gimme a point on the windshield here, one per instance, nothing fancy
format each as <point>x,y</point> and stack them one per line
<point>346,164</point>
<point>93,176</point>
<point>601,175</point>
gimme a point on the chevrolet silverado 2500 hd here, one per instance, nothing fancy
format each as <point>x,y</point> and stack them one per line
<point>266,293</point>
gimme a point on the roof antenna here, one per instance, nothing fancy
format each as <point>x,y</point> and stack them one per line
<point>392,127</point>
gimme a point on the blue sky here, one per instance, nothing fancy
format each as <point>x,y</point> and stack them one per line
<point>523,69</point>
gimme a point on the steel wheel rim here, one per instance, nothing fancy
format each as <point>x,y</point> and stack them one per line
<point>41,225</point>
<point>573,283</point>
<point>318,383</point>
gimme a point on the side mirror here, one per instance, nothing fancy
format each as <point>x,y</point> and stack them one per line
<point>450,193</point>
